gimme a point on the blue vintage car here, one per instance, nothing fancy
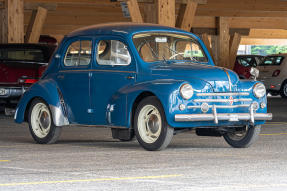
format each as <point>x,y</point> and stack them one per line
<point>145,80</point>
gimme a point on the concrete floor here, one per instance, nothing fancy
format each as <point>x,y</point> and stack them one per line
<point>89,159</point>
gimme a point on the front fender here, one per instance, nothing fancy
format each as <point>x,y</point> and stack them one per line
<point>165,90</point>
<point>47,90</point>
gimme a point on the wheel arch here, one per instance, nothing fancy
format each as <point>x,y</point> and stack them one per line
<point>136,102</point>
<point>49,93</point>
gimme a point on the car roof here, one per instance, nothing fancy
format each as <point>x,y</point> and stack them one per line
<point>122,28</point>
<point>249,55</point>
<point>283,54</point>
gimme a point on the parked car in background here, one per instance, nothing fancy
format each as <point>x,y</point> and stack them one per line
<point>47,39</point>
<point>244,63</point>
<point>273,73</point>
<point>142,79</point>
<point>21,65</point>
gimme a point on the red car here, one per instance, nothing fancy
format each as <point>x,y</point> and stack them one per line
<point>21,65</point>
<point>244,63</point>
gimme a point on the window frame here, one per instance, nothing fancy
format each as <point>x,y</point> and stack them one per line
<point>66,47</point>
<point>198,41</point>
<point>110,39</point>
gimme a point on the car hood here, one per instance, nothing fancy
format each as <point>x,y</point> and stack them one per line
<point>221,79</point>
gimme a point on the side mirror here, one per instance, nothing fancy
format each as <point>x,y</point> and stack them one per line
<point>254,73</point>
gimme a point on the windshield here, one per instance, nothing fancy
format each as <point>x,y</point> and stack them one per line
<point>21,54</point>
<point>168,46</point>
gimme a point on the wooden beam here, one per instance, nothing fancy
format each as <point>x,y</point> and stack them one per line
<point>35,26</point>
<point>223,31</point>
<point>166,12</point>
<point>33,6</point>
<point>12,22</point>
<point>258,41</point>
<point>234,45</point>
<point>134,11</point>
<point>213,31</point>
<point>267,33</point>
<point>205,39</point>
<point>188,17</point>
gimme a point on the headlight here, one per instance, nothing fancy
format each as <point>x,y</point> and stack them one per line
<point>259,90</point>
<point>186,91</point>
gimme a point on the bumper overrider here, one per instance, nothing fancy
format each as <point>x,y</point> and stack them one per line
<point>251,116</point>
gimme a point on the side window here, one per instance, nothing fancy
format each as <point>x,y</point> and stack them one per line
<point>113,52</point>
<point>79,53</point>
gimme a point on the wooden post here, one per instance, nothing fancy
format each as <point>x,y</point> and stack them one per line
<point>12,22</point>
<point>134,11</point>
<point>35,26</point>
<point>223,31</point>
<point>204,38</point>
<point>166,12</point>
<point>234,45</point>
<point>150,13</point>
<point>189,14</point>
<point>214,46</point>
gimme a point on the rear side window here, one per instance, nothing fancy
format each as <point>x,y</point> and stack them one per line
<point>19,54</point>
<point>272,60</point>
<point>79,53</point>
<point>113,53</point>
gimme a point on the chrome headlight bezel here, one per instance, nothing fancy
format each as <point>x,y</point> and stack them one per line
<point>259,90</point>
<point>186,91</point>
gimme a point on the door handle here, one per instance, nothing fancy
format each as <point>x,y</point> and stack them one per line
<point>130,77</point>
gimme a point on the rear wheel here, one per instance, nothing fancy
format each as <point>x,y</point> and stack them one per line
<point>41,124</point>
<point>244,137</point>
<point>151,128</point>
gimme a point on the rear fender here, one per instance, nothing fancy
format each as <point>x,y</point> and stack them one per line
<point>46,90</point>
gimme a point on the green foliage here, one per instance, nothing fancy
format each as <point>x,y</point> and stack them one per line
<point>266,50</point>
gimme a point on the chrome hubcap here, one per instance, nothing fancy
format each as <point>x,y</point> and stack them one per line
<point>149,124</point>
<point>40,120</point>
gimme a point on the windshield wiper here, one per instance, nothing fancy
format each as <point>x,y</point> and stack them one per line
<point>178,53</point>
<point>153,52</point>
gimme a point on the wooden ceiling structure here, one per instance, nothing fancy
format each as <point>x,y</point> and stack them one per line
<point>223,24</point>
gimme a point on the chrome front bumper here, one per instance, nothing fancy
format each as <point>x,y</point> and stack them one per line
<point>232,117</point>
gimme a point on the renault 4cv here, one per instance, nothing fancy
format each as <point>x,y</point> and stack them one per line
<point>142,80</point>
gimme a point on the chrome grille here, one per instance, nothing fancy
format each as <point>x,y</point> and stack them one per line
<point>223,98</point>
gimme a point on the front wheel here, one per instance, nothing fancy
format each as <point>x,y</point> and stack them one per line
<point>41,124</point>
<point>244,137</point>
<point>151,128</point>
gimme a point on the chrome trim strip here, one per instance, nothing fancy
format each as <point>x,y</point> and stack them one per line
<point>221,117</point>
<point>58,116</point>
<point>93,70</point>
<point>222,100</point>
<point>224,94</point>
<point>229,80</point>
<point>219,106</point>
